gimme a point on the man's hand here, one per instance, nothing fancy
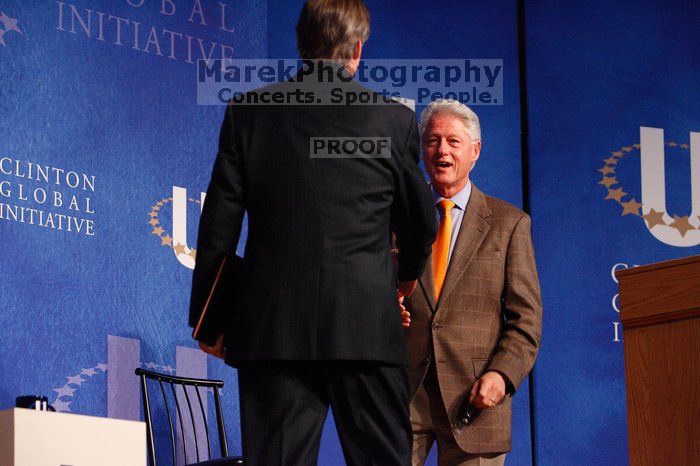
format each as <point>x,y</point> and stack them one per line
<point>405,315</point>
<point>488,391</point>
<point>395,258</point>
<point>217,350</point>
<point>406,289</point>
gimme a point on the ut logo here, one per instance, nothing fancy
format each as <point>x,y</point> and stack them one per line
<point>672,230</point>
<point>182,250</point>
<point>178,242</point>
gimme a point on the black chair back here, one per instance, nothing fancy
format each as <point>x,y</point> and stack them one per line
<point>187,414</point>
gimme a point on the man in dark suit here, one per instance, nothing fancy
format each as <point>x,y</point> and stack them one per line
<point>316,320</point>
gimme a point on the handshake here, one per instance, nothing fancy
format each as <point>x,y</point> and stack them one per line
<point>404,290</point>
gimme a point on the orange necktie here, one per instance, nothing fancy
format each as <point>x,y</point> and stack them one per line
<point>441,246</point>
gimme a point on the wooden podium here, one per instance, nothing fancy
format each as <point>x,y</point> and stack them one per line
<point>660,313</point>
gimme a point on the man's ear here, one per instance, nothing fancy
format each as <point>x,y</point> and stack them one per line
<point>477,150</point>
<point>357,51</point>
<point>352,64</point>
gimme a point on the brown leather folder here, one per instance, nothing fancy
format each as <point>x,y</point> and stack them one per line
<point>221,300</point>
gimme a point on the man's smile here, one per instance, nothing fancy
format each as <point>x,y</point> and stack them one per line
<point>442,164</point>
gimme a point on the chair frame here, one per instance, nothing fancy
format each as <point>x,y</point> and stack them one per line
<point>184,382</point>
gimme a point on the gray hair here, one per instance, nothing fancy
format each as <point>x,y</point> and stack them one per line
<point>453,107</point>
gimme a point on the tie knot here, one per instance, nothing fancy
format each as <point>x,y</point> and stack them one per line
<point>446,206</point>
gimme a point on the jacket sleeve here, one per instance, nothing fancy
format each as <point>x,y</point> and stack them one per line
<point>220,222</point>
<point>522,309</point>
<point>413,214</point>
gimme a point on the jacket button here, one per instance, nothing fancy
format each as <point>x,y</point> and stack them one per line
<point>436,326</point>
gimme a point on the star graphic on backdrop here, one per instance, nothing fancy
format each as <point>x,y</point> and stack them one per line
<point>89,372</point>
<point>654,218</point>
<point>617,154</point>
<point>75,379</point>
<point>153,214</point>
<point>61,406</point>
<point>179,249</point>
<point>166,241</point>
<point>608,181</point>
<point>672,144</point>
<point>685,146</point>
<point>631,207</point>
<point>627,149</point>
<point>102,366</point>
<point>611,161</point>
<point>169,368</point>
<point>151,365</point>
<point>681,224</point>
<point>9,23</point>
<point>64,391</point>
<point>159,203</point>
<point>157,208</point>
<point>153,222</point>
<point>157,231</point>
<point>616,194</point>
<point>636,146</point>
<point>2,41</point>
<point>606,170</point>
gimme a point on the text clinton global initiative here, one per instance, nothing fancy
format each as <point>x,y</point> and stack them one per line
<point>46,196</point>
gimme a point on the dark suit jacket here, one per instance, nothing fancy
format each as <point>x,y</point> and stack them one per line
<point>317,281</point>
<point>489,317</point>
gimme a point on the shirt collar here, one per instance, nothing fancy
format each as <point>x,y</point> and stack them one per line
<point>460,199</point>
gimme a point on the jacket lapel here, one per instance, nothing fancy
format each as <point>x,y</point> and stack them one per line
<point>472,231</point>
<point>427,283</point>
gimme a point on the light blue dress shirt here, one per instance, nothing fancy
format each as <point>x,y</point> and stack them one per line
<point>460,199</point>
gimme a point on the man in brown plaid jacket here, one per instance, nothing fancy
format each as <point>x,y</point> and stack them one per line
<point>476,317</point>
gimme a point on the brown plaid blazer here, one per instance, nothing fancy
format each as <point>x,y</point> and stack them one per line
<point>489,317</point>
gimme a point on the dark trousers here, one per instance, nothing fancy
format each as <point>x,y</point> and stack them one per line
<point>284,406</point>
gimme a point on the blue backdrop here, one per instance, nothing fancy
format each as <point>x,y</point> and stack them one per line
<point>597,72</point>
<point>104,154</point>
